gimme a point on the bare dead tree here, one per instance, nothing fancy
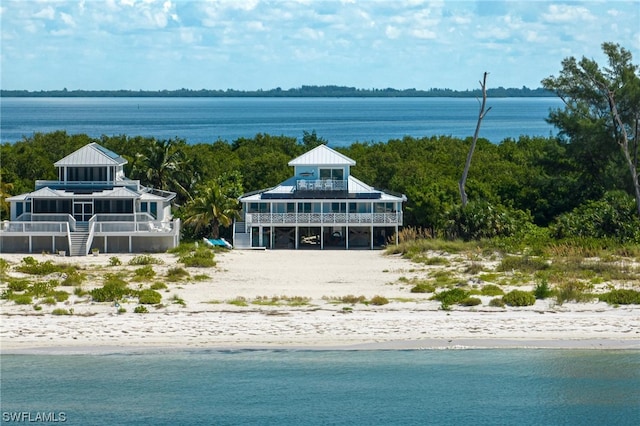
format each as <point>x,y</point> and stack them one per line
<point>481,114</point>
<point>623,142</point>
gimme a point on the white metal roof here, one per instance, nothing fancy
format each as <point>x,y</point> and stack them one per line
<point>118,192</point>
<point>355,186</point>
<point>92,155</point>
<point>322,155</point>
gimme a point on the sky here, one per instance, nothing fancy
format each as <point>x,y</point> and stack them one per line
<point>265,44</point>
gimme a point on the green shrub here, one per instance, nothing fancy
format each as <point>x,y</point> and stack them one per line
<point>73,279</point>
<point>350,298</point>
<point>519,298</point>
<point>144,273</point>
<point>542,290</point>
<point>451,297</point>
<point>158,286</point>
<point>239,301</point>
<point>31,266</point>
<point>481,219</point>
<point>115,288</point>
<point>145,259</point>
<point>42,288</point>
<point>491,290</point>
<point>613,216</point>
<point>201,258</point>
<point>60,296</point>
<point>140,310</point>
<point>379,300</point>
<point>621,297</point>
<point>22,299</point>
<point>497,302</point>
<point>177,273</point>
<point>4,266</point>
<point>114,261</point>
<point>149,297</point>
<point>470,301</point>
<point>423,287</point>
<point>573,291</point>
<point>18,285</point>
<point>522,264</point>
<point>49,301</point>
<point>60,311</point>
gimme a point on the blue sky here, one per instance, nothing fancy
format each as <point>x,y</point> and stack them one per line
<point>260,44</point>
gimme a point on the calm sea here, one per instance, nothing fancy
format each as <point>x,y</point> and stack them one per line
<point>340,121</point>
<point>288,387</point>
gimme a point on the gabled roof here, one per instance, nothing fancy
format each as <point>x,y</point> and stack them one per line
<point>92,155</point>
<point>322,155</point>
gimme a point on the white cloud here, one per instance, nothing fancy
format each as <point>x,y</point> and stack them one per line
<point>392,32</point>
<point>46,13</point>
<point>567,13</point>
<point>423,34</point>
<point>67,19</point>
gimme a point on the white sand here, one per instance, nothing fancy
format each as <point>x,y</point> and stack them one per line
<point>209,321</point>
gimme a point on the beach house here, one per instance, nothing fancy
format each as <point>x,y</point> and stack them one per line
<point>322,206</point>
<point>92,206</point>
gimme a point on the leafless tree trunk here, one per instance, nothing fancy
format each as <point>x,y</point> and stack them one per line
<point>481,114</point>
<point>623,141</point>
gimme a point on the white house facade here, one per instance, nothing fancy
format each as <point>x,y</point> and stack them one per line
<point>92,205</point>
<point>321,207</point>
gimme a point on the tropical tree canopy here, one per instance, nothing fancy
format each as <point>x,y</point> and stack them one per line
<point>601,119</point>
<point>216,204</point>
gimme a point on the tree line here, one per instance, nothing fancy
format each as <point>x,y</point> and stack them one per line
<point>581,184</point>
<point>298,92</point>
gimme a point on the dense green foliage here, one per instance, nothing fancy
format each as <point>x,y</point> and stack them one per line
<point>519,298</point>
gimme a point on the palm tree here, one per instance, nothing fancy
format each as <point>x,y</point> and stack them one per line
<point>214,206</point>
<point>162,165</point>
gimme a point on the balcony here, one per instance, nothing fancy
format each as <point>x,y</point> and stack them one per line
<point>325,218</point>
<point>321,185</point>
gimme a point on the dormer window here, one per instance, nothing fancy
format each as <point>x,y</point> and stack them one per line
<point>332,174</point>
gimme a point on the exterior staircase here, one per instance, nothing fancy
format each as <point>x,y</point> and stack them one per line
<point>79,239</point>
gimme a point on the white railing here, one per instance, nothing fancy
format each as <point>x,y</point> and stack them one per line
<point>98,224</point>
<point>330,218</point>
<point>35,227</point>
<point>321,185</point>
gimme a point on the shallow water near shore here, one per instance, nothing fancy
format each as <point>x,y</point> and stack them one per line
<point>287,387</point>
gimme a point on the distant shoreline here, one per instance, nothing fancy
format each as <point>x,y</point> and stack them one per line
<point>302,92</point>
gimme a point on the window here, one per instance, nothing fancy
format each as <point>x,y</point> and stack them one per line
<point>154,210</point>
<point>331,174</point>
<point>334,208</point>
<point>284,208</point>
<point>359,208</point>
<point>259,208</point>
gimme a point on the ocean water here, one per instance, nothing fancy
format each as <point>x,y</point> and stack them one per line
<point>289,387</point>
<point>340,121</point>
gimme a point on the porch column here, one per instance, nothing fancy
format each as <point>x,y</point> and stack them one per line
<point>346,242</point>
<point>321,237</point>
<point>296,233</point>
<point>30,245</point>
<point>371,235</point>
<point>260,231</point>
<point>397,234</point>
<point>130,245</point>
<point>53,244</point>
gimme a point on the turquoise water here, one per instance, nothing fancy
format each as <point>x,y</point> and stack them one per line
<point>340,121</point>
<point>457,387</point>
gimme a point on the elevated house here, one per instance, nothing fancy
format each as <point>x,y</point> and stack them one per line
<point>322,206</point>
<point>92,205</point>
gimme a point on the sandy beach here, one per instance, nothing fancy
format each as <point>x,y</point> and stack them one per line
<point>204,310</point>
